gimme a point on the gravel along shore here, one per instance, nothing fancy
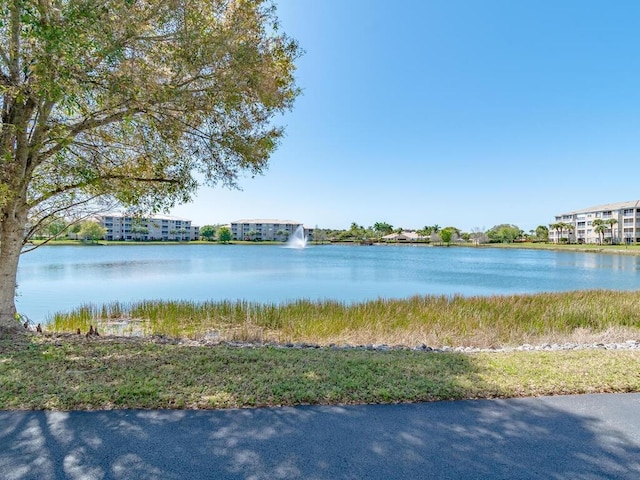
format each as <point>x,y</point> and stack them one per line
<point>628,345</point>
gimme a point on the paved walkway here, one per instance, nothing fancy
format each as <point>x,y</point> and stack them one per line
<point>573,437</point>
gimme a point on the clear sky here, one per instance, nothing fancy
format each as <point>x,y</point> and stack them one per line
<point>466,113</point>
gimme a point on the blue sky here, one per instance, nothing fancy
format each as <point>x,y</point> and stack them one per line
<point>450,112</point>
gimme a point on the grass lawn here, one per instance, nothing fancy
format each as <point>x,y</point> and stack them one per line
<point>77,373</point>
<point>633,249</point>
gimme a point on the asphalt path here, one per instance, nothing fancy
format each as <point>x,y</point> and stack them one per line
<point>572,437</point>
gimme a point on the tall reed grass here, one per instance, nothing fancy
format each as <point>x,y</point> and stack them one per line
<point>433,320</point>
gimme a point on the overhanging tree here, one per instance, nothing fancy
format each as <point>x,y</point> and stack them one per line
<point>130,102</point>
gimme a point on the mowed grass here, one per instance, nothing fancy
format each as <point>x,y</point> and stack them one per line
<point>74,372</point>
<point>495,321</point>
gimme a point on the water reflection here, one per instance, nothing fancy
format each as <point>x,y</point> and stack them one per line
<point>599,261</point>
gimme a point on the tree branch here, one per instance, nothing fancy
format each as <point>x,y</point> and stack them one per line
<point>15,27</point>
<point>88,123</point>
<point>49,216</point>
<point>4,79</point>
<point>66,188</point>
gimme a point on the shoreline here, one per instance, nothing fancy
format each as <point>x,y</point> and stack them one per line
<point>632,250</point>
<point>597,343</point>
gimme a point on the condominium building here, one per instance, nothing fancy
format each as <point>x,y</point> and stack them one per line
<point>266,229</point>
<point>158,227</point>
<point>621,223</point>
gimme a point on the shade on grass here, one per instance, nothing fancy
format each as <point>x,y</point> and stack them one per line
<point>79,373</point>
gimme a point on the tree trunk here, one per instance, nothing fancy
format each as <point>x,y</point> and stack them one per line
<point>12,228</point>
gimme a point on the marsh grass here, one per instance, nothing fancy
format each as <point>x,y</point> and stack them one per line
<point>433,320</point>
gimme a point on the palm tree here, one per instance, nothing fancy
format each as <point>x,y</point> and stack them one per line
<point>611,222</point>
<point>382,228</point>
<point>425,232</point>
<point>599,228</point>
<point>356,232</point>
<point>558,227</point>
<point>569,228</point>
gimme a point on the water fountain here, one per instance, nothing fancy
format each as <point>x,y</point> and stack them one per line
<point>297,239</point>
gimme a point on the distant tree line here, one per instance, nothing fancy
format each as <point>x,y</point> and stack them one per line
<point>58,228</point>
<point>435,234</point>
<point>89,230</point>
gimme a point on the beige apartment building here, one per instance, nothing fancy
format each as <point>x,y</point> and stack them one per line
<point>625,228</point>
<point>266,229</point>
<point>158,227</point>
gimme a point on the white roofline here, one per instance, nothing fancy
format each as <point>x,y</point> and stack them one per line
<point>149,217</point>
<point>267,220</point>
<point>606,206</point>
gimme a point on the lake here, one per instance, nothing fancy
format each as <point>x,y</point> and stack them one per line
<point>59,278</point>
